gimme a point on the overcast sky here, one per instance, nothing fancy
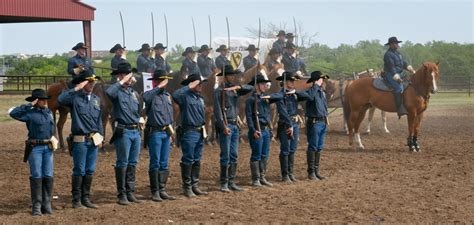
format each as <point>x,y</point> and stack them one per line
<point>335,22</point>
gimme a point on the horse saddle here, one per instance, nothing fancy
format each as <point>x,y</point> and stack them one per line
<point>381,84</point>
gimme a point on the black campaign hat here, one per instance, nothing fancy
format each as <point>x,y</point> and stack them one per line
<point>274,51</point>
<point>116,47</point>
<point>316,75</point>
<point>222,48</point>
<point>260,79</point>
<point>229,70</point>
<point>160,75</point>
<point>290,35</point>
<point>393,40</point>
<point>188,50</point>
<point>123,68</point>
<point>191,78</point>
<point>145,46</point>
<point>281,32</point>
<point>287,76</point>
<point>204,48</point>
<point>252,47</point>
<point>85,75</point>
<point>37,94</point>
<point>159,46</point>
<point>79,45</point>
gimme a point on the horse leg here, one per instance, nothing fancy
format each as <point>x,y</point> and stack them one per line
<point>359,119</point>
<point>411,130</point>
<point>104,126</point>
<point>418,119</point>
<point>384,121</point>
<point>60,125</point>
<point>371,116</point>
<point>354,114</point>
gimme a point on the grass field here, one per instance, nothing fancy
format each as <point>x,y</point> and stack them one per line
<point>440,99</point>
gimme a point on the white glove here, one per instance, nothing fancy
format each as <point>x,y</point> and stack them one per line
<point>299,74</point>
<point>410,68</point>
<point>397,78</point>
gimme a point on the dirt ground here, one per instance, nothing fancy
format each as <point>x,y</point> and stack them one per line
<point>384,183</point>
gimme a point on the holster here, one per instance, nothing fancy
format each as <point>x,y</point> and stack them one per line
<point>118,133</point>
<point>179,135</point>
<point>69,140</point>
<point>28,149</point>
<point>146,135</point>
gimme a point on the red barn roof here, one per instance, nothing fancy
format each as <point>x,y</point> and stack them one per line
<point>17,11</point>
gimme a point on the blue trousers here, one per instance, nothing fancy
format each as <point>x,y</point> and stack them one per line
<point>397,87</point>
<point>127,148</point>
<point>316,134</point>
<point>41,162</point>
<point>159,145</point>
<point>191,145</point>
<point>288,145</point>
<point>260,147</point>
<point>229,145</point>
<point>84,156</point>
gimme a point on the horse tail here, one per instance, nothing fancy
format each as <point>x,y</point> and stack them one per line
<point>345,103</point>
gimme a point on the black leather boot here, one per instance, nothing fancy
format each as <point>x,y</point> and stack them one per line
<point>76,182</point>
<point>291,163</point>
<point>130,185</point>
<point>255,170</point>
<point>232,174</point>
<point>121,190</point>
<point>317,166</point>
<point>36,186</point>
<point>401,110</point>
<point>86,191</point>
<point>196,168</point>
<point>224,178</point>
<point>263,171</point>
<point>153,175</point>
<point>416,144</point>
<point>284,168</point>
<point>311,159</point>
<point>47,195</point>
<point>186,176</point>
<point>163,179</point>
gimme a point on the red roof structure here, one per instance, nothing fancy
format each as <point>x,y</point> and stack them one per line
<point>27,11</point>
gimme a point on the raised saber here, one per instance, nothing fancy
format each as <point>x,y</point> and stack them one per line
<point>228,32</point>
<point>210,30</point>
<point>123,29</point>
<point>259,30</point>
<point>296,32</point>
<point>194,30</point>
<point>166,29</point>
<point>152,30</point>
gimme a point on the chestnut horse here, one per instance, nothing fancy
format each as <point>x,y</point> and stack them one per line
<point>360,95</point>
<point>56,89</point>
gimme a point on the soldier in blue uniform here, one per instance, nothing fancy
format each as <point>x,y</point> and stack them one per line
<point>145,61</point>
<point>80,61</point>
<point>222,60</point>
<point>394,64</point>
<point>158,134</point>
<point>280,43</point>
<point>250,60</point>
<point>289,59</point>
<point>288,129</point>
<point>259,139</point>
<point>38,151</point>
<point>228,133</point>
<point>191,107</point>
<point>290,38</point>
<point>205,62</point>
<point>87,131</point>
<point>118,58</point>
<point>316,124</point>
<point>160,62</point>
<point>274,57</point>
<point>126,137</point>
<point>190,66</point>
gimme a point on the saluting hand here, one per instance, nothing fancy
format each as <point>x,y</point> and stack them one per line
<point>162,84</point>
<point>81,85</point>
<point>34,102</point>
<point>126,78</point>
<point>194,84</point>
<point>234,88</point>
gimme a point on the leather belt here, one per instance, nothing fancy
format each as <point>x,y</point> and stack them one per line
<point>82,138</point>
<point>158,128</point>
<point>317,119</point>
<point>190,128</point>
<point>233,121</point>
<point>40,141</point>
<point>129,127</point>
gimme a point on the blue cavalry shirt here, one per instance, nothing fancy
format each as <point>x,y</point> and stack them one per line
<point>162,64</point>
<point>126,107</point>
<point>393,62</point>
<point>249,62</point>
<point>117,60</point>
<point>85,111</point>
<point>222,61</point>
<point>288,107</point>
<point>77,60</point>
<point>190,66</point>
<point>316,105</point>
<point>263,109</point>
<point>279,45</point>
<point>158,107</point>
<point>206,65</point>
<point>191,106</point>
<point>231,103</point>
<point>39,122</point>
<point>291,63</point>
<point>145,64</point>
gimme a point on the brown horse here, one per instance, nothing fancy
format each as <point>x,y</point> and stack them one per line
<point>55,90</point>
<point>360,95</point>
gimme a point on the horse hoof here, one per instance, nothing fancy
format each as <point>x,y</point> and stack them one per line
<point>360,148</point>
<point>387,131</point>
